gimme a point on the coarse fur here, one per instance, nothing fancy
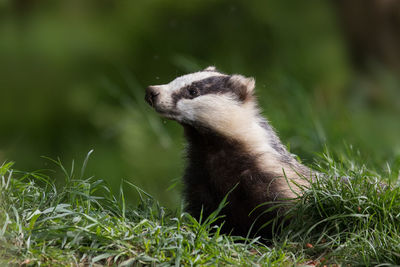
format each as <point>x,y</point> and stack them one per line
<point>229,144</point>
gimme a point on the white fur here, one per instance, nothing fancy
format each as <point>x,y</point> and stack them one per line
<point>210,68</point>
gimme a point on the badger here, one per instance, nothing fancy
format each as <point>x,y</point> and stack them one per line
<point>231,149</point>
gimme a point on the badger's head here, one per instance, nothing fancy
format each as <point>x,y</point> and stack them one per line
<point>207,98</point>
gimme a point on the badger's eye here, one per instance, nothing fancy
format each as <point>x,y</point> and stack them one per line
<point>193,91</point>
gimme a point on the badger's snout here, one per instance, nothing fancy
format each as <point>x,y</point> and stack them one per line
<point>152,92</point>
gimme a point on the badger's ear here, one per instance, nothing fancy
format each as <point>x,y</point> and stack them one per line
<point>242,86</point>
<point>210,68</point>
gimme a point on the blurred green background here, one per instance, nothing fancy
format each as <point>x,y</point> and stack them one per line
<point>73,73</point>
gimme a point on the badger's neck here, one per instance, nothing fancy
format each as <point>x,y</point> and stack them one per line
<point>239,146</point>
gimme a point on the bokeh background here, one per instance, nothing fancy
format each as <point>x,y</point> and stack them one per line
<point>73,73</point>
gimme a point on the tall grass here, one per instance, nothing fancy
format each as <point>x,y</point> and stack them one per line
<point>84,222</point>
<point>350,215</point>
<point>347,217</point>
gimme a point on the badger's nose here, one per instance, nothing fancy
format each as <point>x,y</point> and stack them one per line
<point>151,95</point>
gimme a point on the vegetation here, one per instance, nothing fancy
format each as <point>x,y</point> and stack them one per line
<point>347,217</point>
<point>73,75</point>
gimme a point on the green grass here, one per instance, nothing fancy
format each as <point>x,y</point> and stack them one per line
<point>347,217</point>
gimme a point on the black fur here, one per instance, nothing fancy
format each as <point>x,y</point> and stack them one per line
<point>215,166</point>
<point>212,85</point>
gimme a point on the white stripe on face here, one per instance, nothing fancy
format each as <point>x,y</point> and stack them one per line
<point>187,79</point>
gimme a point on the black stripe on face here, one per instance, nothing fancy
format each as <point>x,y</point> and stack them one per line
<point>212,85</point>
